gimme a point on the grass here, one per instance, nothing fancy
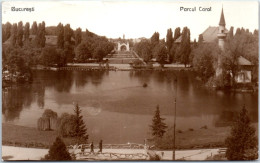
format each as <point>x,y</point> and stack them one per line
<point>199,138</point>
<point>29,137</point>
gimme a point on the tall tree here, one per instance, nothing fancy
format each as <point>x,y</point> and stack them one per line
<point>169,40</point>
<point>26,31</point>
<point>242,143</point>
<point>14,34</point>
<point>185,47</point>
<point>177,33</point>
<point>34,28</point>
<point>231,33</point>
<point>20,34</point>
<point>60,32</point>
<point>200,39</point>
<point>80,130</point>
<point>42,35</point>
<point>68,33</point>
<point>158,127</point>
<point>7,28</point>
<point>155,39</point>
<point>78,36</point>
<point>58,152</point>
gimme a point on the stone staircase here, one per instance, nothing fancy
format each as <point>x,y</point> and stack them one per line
<point>124,57</point>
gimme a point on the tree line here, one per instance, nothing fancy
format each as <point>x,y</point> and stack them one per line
<point>168,51</point>
<point>28,44</point>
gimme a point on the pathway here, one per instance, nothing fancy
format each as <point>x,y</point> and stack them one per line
<point>18,153</point>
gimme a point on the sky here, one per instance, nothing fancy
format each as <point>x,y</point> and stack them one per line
<point>134,19</point>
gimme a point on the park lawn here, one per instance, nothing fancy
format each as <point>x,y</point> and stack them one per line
<point>31,136</point>
<point>200,138</point>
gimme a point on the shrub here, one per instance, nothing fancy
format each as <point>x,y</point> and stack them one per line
<point>58,152</point>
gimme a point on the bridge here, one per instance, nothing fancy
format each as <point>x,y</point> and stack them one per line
<point>130,151</point>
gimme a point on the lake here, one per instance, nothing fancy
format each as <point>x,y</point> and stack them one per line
<point>115,105</point>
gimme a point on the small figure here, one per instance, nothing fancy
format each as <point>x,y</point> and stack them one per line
<point>91,147</point>
<point>100,146</point>
<point>82,150</point>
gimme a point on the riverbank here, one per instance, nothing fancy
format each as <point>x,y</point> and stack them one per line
<point>14,135</point>
<point>114,67</point>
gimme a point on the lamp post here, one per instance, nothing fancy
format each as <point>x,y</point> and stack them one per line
<point>174,125</point>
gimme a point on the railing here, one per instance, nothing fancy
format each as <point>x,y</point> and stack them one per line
<point>110,146</point>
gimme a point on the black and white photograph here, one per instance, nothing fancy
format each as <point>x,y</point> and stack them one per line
<point>114,80</point>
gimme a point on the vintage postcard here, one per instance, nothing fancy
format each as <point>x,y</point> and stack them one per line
<point>130,80</point>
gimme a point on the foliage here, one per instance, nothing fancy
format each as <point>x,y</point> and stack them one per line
<point>169,40</point>
<point>93,46</point>
<point>49,113</point>
<point>160,52</point>
<point>6,31</point>
<point>155,39</point>
<point>78,36</point>
<point>158,127</point>
<point>203,61</point>
<point>49,56</point>
<point>184,50</point>
<point>26,31</point>
<point>80,130</point>
<point>20,34</point>
<point>14,34</point>
<point>40,35</point>
<point>144,50</point>
<point>242,139</point>
<point>58,152</point>
<point>60,33</point>
<point>65,125</point>
<point>242,44</point>
<point>34,28</point>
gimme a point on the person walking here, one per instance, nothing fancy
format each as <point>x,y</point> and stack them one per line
<point>100,146</point>
<point>91,147</point>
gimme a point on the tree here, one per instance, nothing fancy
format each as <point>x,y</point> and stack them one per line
<point>6,28</point>
<point>20,34</point>
<point>83,52</point>
<point>68,33</point>
<point>99,54</point>
<point>80,131</point>
<point>200,39</point>
<point>40,36</point>
<point>155,39</point>
<point>177,33</point>
<point>66,124</point>
<point>60,33</point>
<point>49,56</point>
<point>34,28</point>
<point>242,143</point>
<point>78,36</point>
<point>231,33</point>
<point>144,50</point>
<point>160,52</point>
<point>203,60</point>
<point>58,151</point>
<point>14,34</point>
<point>185,47</point>
<point>26,31</point>
<point>158,127</point>
<point>169,41</point>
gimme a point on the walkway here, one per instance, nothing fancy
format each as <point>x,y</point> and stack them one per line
<point>18,153</point>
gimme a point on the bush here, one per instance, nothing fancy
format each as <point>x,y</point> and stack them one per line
<point>66,125</point>
<point>58,152</point>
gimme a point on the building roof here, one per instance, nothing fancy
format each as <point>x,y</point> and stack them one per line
<point>243,61</point>
<point>222,19</point>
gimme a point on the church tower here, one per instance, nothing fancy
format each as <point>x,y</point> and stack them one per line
<point>221,31</point>
<point>221,40</point>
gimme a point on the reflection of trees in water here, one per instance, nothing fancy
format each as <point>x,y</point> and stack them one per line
<point>142,76</point>
<point>83,77</point>
<point>15,98</point>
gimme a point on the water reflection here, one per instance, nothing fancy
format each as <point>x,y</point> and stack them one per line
<point>122,92</point>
